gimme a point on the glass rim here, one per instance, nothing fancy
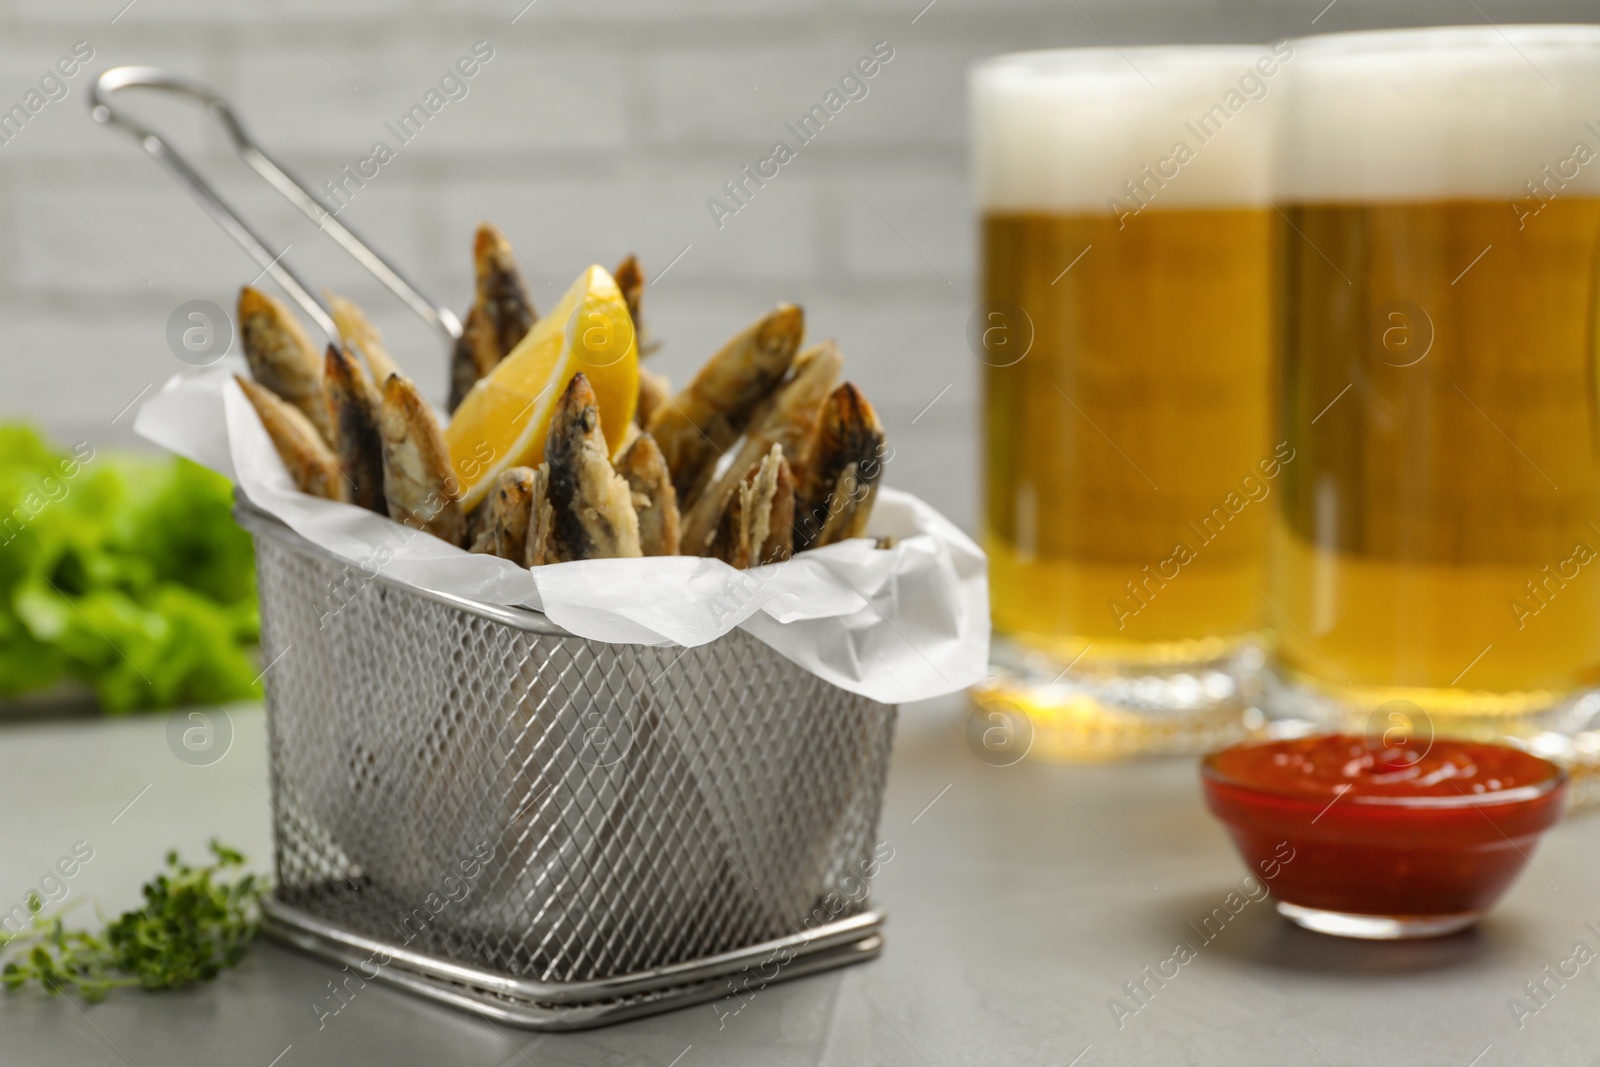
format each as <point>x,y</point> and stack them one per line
<point>1096,59</point>
<point>1446,40</point>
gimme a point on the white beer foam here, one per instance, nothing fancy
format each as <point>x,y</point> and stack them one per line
<point>1470,112</point>
<point>1065,130</point>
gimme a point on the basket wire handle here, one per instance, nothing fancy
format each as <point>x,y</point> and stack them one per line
<point>293,189</point>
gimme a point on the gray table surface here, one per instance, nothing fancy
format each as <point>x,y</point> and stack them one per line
<point>1021,899</point>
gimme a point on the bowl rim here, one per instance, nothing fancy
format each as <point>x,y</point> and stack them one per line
<point>1523,794</point>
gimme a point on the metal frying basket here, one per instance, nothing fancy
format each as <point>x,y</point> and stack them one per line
<point>478,806</point>
<point>556,832</point>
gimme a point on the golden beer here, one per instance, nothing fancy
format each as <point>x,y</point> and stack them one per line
<point>1144,411</point>
<point>1129,463</point>
<point>1437,539</point>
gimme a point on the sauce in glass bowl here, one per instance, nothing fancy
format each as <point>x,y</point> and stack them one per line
<point>1384,843</point>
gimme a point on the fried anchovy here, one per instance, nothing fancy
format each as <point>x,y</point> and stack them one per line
<point>725,543</point>
<point>420,490</point>
<point>655,392</point>
<point>591,503</point>
<point>500,317</point>
<point>475,354</point>
<point>281,356</point>
<point>768,506</point>
<point>698,425</point>
<point>630,279</point>
<point>359,335</point>
<point>354,411</point>
<point>654,499</point>
<point>536,552</point>
<point>479,536</point>
<point>510,505</point>
<point>789,418</point>
<point>757,526</point>
<point>313,468</point>
<point>841,479</point>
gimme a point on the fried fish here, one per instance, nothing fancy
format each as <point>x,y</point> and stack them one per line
<point>500,317</point>
<point>302,449</point>
<point>654,499</point>
<point>281,356</point>
<point>419,488</point>
<point>591,504</point>
<point>698,425</point>
<point>757,526</point>
<point>354,411</point>
<point>655,392</point>
<point>358,334</point>
<point>630,279</point>
<point>479,536</point>
<point>510,509</point>
<point>841,479</point>
<point>789,418</point>
<point>768,507</point>
<point>536,551</point>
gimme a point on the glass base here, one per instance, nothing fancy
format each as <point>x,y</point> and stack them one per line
<point>1561,727</point>
<point>1104,707</point>
<point>1376,927</point>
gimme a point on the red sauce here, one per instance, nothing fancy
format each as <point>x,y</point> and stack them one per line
<point>1381,831</point>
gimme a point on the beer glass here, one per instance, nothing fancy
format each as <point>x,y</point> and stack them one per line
<point>1124,328</point>
<point>1436,536</point>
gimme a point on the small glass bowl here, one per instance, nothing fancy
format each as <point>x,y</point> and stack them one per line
<point>1382,845</point>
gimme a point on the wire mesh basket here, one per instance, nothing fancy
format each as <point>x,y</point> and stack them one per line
<point>477,805</point>
<point>474,804</point>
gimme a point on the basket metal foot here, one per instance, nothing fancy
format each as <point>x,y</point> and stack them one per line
<point>581,1005</point>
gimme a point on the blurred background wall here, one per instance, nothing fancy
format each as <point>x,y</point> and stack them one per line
<point>598,127</point>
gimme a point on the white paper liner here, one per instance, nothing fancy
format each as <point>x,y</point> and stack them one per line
<point>895,625</point>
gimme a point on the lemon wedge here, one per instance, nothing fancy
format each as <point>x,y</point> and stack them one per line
<point>503,421</point>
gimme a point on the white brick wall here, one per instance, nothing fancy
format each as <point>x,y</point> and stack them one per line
<point>600,127</point>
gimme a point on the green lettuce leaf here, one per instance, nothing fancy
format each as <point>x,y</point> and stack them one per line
<point>127,573</point>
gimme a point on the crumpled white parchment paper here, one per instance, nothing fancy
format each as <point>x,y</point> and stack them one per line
<point>894,625</point>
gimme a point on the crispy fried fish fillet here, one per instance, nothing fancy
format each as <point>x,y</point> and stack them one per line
<point>630,279</point>
<point>654,394</point>
<point>358,333</point>
<point>313,468</point>
<point>281,356</point>
<point>703,420</point>
<point>354,410</point>
<point>420,490</point>
<point>536,552</point>
<point>757,527</point>
<point>501,313</point>
<point>841,479</point>
<point>591,503</point>
<point>654,499</point>
<point>789,418</point>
